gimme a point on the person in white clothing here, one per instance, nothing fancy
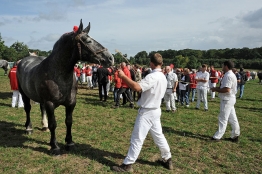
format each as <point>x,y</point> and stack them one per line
<point>227,94</point>
<point>171,89</point>
<point>202,78</point>
<point>153,88</point>
<point>213,80</point>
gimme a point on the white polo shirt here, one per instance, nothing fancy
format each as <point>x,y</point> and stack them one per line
<point>171,79</point>
<point>202,75</point>
<point>230,81</point>
<point>153,89</point>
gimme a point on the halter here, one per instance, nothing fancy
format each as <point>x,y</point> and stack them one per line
<point>78,38</point>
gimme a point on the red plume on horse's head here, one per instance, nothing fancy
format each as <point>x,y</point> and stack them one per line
<point>75,28</point>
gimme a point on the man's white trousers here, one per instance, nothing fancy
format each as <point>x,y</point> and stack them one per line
<point>227,114</point>
<point>147,120</point>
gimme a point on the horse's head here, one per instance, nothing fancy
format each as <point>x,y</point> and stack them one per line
<point>91,50</point>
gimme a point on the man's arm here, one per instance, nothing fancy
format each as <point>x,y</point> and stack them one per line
<point>132,84</point>
<point>220,90</point>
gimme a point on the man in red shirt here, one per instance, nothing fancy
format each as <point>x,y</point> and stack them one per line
<point>192,85</point>
<point>214,80</point>
<point>16,98</point>
<point>125,88</point>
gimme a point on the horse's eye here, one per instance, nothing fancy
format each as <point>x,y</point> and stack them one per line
<point>84,38</point>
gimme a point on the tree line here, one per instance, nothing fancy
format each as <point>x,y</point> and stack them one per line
<point>190,58</point>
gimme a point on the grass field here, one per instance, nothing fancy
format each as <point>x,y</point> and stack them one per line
<point>102,137</point>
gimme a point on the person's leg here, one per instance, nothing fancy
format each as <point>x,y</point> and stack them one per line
<point>14,97</point>
<point>100,91</point>
<point>120,91</point>
<point>167,100</point>
<point>204,92</point>
<point>157,134</point>
<point>129,96</point>
<point>172,102</point>
<point>213,94</point>
<point>186,98</point>
<point>241,91</point>
<point>225,110</point>
<point>193,94</point>
<point>234,121</point>
<point>182,97</point>
<point>105,91</point>
<point>141,128</point>
<point>198,98</point>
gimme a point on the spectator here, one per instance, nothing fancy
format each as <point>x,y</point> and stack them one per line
<point>102,75</point>
<point>117,82</point>
<point>16,97</point>
<point>241,84</point>
<point>202,78</point>
<point>193,84</point>
<point>213,80</point>
<point>88,73</point>
<point>184,87</point>
<point>124,88</point>
<point>171,89</point>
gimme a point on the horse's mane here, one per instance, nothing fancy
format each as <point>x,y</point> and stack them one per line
<point>61,39</point>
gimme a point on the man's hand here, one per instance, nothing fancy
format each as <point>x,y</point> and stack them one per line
<point>213,89</point>
<point>121,73</point>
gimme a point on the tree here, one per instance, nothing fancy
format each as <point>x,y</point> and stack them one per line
<point>193,63</point>
<point>2,47</point>
<point>21,49</point>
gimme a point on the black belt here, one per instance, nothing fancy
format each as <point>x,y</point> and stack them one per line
<point>169,88</point>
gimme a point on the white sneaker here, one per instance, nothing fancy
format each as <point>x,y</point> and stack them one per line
<point>187,106</point>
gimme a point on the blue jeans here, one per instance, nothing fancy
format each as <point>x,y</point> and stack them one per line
<point>115,93</point>
<point>193,90</point>
<point>184,97</point>
<point>241,87</point>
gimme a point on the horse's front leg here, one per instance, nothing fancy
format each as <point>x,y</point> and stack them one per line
<point>68,121</point>
<point>49,106</point>
<point>27,108</point>
<point>44,117</point>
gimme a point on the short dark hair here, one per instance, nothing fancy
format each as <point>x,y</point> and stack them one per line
<point>229,64</point>
<point>156,59</point>
<point>204,65</point>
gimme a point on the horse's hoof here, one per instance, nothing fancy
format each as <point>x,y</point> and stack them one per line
<point>55,151</point>
<point>45,129</point>
<point>28,131</point>
<point>70,146</point>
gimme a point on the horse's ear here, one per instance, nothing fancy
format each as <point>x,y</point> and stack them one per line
<point>80,28</point>
<point>86,30</point>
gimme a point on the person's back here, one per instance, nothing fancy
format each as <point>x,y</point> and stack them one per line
<point>151,98</point>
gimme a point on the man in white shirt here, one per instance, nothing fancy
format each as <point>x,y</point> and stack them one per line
<point>153,88</point>
<point>227,93</point>
<point>170,90</point>
<point>202,78</point>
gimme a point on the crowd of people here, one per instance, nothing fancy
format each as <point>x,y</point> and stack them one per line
<point>184,85</point>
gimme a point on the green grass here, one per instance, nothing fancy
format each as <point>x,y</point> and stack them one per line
<point>102,137</point>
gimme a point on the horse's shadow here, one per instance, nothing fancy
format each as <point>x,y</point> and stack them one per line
<point>6,95</point>
<point>11,136</point>
<point>186,134</point>
<point>250,108</point>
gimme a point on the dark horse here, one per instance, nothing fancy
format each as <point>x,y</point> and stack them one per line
<point>50,81</point>
<point>4,64</point>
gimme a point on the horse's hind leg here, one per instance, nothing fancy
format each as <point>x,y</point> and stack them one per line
<point>68,121</point>
<point>44,117</point>
<point>49,106</point>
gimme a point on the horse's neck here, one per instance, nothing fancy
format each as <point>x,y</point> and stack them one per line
<point>63,61</point>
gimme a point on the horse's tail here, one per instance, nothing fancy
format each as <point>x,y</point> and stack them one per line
<point>8,66</point>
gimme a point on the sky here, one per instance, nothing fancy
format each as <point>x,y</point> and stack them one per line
<point>131,26</point>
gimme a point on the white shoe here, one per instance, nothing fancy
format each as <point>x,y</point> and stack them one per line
<point>187,106</point>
